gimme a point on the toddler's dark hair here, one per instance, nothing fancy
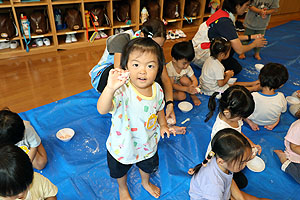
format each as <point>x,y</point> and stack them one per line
<point>273,75</point>
<point>237,99</point>
<point>16,172</point>
<point>11,127</point>
<point>219,45</point>
<point>183,50</point>
<point>154,28</point>
<point>230,5</point>
<point>228,144</point>
<point>143,45</point>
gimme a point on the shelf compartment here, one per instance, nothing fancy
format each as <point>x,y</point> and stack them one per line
<point>61,2</point>
<point>68,31</point>
<point>95,1</point>
<point>5,4</point>
<point>26,4</point>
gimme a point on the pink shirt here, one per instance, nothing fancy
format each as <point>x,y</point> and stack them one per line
<point>293,136</point>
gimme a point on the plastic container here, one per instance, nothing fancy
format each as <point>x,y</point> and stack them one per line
<point>65,134</point>
<point>25,24</point>
<point>185,106</point>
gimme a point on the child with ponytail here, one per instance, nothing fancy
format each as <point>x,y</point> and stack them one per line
<point>235,104</point>
<point>213,178</point>
<point>213,77</point>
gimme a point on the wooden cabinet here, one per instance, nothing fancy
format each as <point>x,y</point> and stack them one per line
<point>58,37</point>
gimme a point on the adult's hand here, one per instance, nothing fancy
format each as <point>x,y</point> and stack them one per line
<point>260,42</point>
<point>170,115</point>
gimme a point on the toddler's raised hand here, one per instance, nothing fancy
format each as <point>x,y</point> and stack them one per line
<point>229,73</point>
<point>116,78</point>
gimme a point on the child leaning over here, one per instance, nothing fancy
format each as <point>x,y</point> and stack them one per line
<point>181,73</point>
<point>17,178</point>
<point>136,107</point>
<point>13,130</point>
<point>269,104</point>
<point>213,77</point>
<point>214,180</point>
<point>290,159</point>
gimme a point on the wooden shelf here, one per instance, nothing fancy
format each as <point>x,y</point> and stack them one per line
<point>5,4</point>
<point>26,4</point>
<point>59,2</point>
<point>68,31</point>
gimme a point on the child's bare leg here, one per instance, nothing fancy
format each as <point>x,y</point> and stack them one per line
<point>179,96</point>
<point>123,189</point>
<point>185,81</point>
<point>257,56</point>
<point>270,127</point>
<point>281,155</point>
<point>152,189</point>
<point>40,159</point>
<point>253,126</point>
<point>242,56</point>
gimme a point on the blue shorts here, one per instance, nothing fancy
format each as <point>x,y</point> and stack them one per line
<point>99,75</point>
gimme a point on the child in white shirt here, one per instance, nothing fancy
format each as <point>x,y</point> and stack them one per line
<point>181,73</point>
<point>269,104</point>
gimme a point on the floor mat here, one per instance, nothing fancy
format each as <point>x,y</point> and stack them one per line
<point>79,167</point>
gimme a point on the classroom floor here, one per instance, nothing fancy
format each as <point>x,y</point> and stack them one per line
<point>79,167</point>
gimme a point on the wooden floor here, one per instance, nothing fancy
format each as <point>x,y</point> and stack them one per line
<point>32,81</point>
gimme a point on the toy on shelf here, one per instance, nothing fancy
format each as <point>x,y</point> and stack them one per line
<point>144,15</point>
<point>214,4</point>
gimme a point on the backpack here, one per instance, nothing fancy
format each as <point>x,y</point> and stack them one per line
<point>122,11</point>
<point>192,8</point>
<point>97,15</point>
<point>73,19</point>
<point>172,9</point>
<point>38,22</point>
<point>201,42</point>
<point>7,27</point>
<point>153,9</point>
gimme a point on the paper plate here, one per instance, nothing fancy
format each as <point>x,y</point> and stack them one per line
<point>256,164</point>
<point>292,100</point>
<point>232,81</point>
<point>258,67</point>
<point>185,106</point>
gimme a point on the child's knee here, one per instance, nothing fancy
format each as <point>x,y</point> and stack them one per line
<point>185,81</point>
<point>181,96</point>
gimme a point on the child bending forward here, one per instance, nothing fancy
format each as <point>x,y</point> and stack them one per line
<point>138,118</point>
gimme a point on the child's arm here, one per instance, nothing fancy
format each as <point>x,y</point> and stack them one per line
<point>227,75</point>
<point>295,148</point>
<point>191,89</point>
<point>261,12</point>
<point>194,80</point>
<point>104,104</point>
<point>163,124</point>
<point>32,153</point>
<point>236,192</point>
<point>257,146</point>
<point>253,126</point>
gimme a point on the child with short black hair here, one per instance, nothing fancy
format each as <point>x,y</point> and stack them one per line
<point>214,180</point>
<point>213,77</point>
<point>17,178</point>
<point>137,107</point>
<point>181,73</point>
<point>269,104</point>
<point>13,130</point>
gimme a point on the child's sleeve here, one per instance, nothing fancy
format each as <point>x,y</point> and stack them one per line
<point>117,99</point>
<point>190,71</point>
<point>47,188</point>
<point>31,135</point>
<point>160,97</point>
<point>284,103</point>
<point>293,135</point>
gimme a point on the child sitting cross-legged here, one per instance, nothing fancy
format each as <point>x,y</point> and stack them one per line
<point>269,104</point>
<point>13,130</point>
<point>181,73</point>
<point>213,77</point>
<point>17,178</point>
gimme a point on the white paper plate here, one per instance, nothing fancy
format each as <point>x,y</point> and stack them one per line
<point>256,164</point>
<point>232,81</point>
<point>292,100</point>
<point>65,134</point>
<point>185,106</point>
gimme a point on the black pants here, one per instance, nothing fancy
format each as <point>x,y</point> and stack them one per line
<point>232,64</point>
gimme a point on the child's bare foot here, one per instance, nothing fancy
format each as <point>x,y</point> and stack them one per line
<point>195,100</point>
<point>124,194</point>
<point>271,126</point>
<point>257,56</point>
<point>242,56</point>
<point>152,189</point>
<point>191,171</point>
<point>281,155</point>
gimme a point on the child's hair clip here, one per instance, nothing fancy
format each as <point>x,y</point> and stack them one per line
<point>150,34</point>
